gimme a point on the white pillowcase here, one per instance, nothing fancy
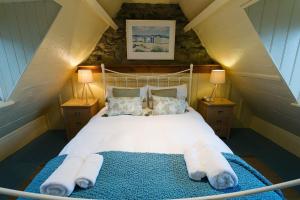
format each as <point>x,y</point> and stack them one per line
<point>181,90</point>
<point>143,91</point>
<point>168,105</point>
<point>124,106</point>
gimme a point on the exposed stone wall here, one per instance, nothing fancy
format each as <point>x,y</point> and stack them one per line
<point>111,49</point>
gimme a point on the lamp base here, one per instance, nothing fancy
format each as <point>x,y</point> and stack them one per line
<point>84,94</point>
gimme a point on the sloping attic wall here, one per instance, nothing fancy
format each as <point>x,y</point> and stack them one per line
<point>231,39</point>
<point>70,39</point>
<point>23,26</point>
<point>281,36</point>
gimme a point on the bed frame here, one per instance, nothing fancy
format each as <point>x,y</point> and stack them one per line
<point>111,77</point>
<point>114,78</point>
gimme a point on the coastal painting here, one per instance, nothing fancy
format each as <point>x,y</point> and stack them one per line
<point>150,39</point>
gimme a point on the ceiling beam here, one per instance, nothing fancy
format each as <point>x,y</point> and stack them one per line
<point>94,5</point>
<point>213,7</point>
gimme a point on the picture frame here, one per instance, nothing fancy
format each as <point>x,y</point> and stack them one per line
<point>150,39</point>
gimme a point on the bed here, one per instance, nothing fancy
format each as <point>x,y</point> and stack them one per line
<point>143,158</point>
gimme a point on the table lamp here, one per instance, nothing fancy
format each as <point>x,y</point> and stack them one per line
<point>216,77</point>
<point>85,76</point>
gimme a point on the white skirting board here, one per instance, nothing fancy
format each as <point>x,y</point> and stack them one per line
<point>15,140</point>
<point>283,138</point>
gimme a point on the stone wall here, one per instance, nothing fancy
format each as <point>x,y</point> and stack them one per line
<point>111,49</point>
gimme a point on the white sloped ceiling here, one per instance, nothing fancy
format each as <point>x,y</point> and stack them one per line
<point>71,38</point>
<point>281,36</point>
<point>231,39</point>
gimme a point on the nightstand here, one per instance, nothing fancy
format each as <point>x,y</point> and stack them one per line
<point>77,113</point>
<point>218,114</point>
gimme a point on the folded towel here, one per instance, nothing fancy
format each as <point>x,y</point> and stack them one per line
<point>218,171</point>
<point>89,171</point>
<point>194,163</point>
<point>62,181</point>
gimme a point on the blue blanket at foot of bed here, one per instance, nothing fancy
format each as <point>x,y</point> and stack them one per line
<point>127,175</point>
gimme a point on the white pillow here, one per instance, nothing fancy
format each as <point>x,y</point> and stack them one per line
<point>168,105</point>
<point>143,91</point>
<point>181,90</point>
<point>124,106</point>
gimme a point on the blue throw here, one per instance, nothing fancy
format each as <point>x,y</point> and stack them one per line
<point>127,175</point>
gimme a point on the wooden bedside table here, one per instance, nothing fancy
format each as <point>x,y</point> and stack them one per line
<point>218,114</point>
<point>77,113</point>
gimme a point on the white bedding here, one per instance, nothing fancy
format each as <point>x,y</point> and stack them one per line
<point>170,134</point>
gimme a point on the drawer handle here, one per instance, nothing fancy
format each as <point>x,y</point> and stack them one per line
<point>220,111</point>
<point>77,113</point>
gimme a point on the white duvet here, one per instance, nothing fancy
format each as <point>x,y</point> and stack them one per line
<point>170,134</point>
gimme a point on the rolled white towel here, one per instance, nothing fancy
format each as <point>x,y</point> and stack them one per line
<point>218,171</point>
<point>194,163</point>
<point>62,181</point>
<point>89,171</point>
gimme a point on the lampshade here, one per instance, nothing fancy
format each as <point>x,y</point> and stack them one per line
<point>85,76</point>
<point>217,76</point>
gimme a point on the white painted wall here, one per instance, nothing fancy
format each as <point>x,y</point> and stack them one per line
<point>70,39</point>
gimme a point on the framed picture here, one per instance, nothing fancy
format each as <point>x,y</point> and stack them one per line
<point>150,39</point>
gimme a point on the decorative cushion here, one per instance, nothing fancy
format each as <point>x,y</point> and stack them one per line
<point>125,92</point>
<point>181,90</point>
<point>121,92</point>
<point>124,106</point>
<point>168,105</point>
<point>143,91</point>
<point>171,92</point>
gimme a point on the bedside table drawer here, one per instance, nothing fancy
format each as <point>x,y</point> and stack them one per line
<point>78,114</point>
<point>219,113</point>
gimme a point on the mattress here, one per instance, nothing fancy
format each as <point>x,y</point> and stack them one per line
<point>153,134</point>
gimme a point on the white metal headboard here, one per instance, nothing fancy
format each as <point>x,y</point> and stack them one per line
<point>139,80</point>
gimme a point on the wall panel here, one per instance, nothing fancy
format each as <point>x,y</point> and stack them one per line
<point>231,39</point>
<point>23,26</point>
<point>279,31</point>
<point>65,45</point>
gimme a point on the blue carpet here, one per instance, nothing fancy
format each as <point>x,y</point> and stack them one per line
<point>246,142</point>
<point>18,168</point>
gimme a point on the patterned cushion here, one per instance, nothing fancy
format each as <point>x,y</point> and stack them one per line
<point>124,106</point>
<point>168,105</point>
